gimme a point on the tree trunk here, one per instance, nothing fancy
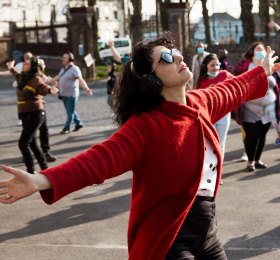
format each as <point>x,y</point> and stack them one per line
<point>164,16</point>
<point>95,34</point>
<point>136,21</point>
<point>206,21</point>
<point>247,20</point>
<point>263,15</point>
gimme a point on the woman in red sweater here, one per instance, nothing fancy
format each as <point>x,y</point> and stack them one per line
<point>210,75</point>
<point>165,134</point>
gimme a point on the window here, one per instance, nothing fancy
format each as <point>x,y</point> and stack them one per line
<point>106,11</point>
<point>53,13</point>
<point>38,8</point>
<point>23,15</point>
<point>97,12</point>
<point>115,12</point>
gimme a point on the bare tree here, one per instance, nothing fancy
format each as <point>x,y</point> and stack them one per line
<point>206,21</point>
<point>94,33</point>
<point>247,20</point>
<point>275,4</point>
<point>136,21</point>
<point>164,16</point>
<point>263,15</point>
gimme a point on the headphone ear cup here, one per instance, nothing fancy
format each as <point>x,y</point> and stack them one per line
<point>71,56</point>
<point>250,51</point>
<point>150,84</point>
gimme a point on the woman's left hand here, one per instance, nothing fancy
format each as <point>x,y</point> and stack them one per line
<point>54,88</point>
<point>268,63</point>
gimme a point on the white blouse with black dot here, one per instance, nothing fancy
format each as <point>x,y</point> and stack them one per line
<point>209,178</point>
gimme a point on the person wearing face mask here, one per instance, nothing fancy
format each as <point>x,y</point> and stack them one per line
<point>210,75</point>
<point>258,114</point>
<point>197,60</point>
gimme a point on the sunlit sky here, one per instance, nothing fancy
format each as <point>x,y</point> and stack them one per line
<point>232,7</point>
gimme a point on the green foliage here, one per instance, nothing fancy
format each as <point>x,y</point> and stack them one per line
<point>51,73</point>
<point>102,71</point>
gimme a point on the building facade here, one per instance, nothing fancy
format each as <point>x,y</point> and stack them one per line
<point>109,13</point>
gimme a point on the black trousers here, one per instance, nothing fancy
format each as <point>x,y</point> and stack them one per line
<point>255,139</point>
<point>44,135</point>
<point>197,238</point>
<point>31,122</point>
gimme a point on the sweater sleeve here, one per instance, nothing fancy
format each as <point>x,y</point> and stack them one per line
<point>41,86</point>
<point>14,71</point>
<point>109,159</point>
<point>224,97</point>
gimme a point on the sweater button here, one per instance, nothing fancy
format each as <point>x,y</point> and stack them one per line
<point>208,180</point>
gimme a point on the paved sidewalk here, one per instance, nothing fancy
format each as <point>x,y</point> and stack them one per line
<point>92,223</point>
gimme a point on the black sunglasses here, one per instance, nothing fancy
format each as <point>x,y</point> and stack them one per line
<point>168,57</point>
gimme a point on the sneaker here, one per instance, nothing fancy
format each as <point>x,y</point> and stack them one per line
<point>77,128</point>
<point>260,165</point>
<point>244,157</point>
<point>277,141</point>
<point>64,131</point>
<point>251,168</point>
<point>19,122</point>
<point>50,157</point>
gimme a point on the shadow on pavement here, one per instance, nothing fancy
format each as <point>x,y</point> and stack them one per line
<point>258,243</point>
<point>75,215</point>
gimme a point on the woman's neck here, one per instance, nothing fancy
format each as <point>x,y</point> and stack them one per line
<point>175,95</point>
<point>256,61</point>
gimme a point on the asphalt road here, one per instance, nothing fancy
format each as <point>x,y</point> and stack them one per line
<point>92,223</point>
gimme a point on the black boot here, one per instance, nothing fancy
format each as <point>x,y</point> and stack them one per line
<point>50,157</point>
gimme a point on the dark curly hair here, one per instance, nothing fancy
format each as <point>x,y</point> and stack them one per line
<point>203,69</point>
<point>129,99</point>
<point>250,52</point>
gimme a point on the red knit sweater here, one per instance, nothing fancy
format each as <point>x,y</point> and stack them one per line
<point>165,150</point>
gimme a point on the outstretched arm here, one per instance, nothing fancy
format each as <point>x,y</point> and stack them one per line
<point>21,185</point>
<point>84,85</point>
<point>116,55</point>
<point>273,24</point>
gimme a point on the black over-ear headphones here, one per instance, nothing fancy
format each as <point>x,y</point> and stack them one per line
<point>150,84</point>
<point>250,51</point>
<point>71,56</point>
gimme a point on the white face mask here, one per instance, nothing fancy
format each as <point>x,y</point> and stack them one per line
<point>260,55</point>
<point>213,75</point>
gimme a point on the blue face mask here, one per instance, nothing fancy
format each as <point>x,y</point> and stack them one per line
<point>200,50</point>
<point>260,55</point>
<point>213,75</point>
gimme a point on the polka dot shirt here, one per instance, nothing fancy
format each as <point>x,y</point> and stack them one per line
<point>209,178</point>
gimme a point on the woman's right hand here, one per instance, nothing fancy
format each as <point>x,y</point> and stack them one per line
<point>268,63</point>
<point>10,64</point>
<point>21,185</point>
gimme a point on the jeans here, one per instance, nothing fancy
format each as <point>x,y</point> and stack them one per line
<point>27,142</point>
<point>197,237</point>
<point>222,127</point>
<point>70,104</point>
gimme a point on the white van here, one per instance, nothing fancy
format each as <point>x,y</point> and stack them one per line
<point>122,45</point>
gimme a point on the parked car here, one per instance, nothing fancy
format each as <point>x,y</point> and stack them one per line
<point>122,45</point>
